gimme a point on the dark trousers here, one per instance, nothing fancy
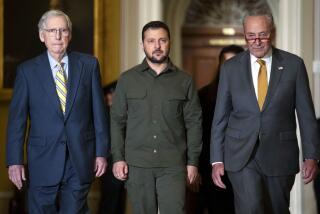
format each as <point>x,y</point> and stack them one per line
<point>153,188</point>
<point>215,200</point>
<point>256,193</point>
<point>67,197</point>
<point>112,193</point>
<point>316,186</point>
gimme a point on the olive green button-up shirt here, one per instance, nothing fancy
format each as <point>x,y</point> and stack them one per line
<point>156,119</point>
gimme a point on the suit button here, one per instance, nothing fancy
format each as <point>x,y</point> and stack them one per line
<point>154,151</point>
<point>63,142</point>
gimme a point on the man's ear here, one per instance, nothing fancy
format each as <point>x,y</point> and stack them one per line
<point>273,35</point>
<point>41,36</point>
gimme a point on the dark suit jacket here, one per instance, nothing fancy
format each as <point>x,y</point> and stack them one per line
<point>83,129</point>
<point>238,122</point>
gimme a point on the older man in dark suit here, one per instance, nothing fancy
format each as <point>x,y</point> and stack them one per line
<point>254,127</point>
<point>59,92</point>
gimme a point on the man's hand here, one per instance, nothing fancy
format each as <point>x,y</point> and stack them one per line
<point>120,170</point>
<point>192,173</point>
<point>217,173</point>
<point>100,166</point>
<point>309,170</point>
<point>17,175</point>
<point>195,186</point>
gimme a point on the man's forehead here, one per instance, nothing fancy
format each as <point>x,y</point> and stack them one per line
<point>257,26</point>
<point>256,21</point>
<point>56,20</point>
<point>156,31</point>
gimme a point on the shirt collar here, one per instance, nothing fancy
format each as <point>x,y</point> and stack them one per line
<point>53,62</point>
<point>144,66</point>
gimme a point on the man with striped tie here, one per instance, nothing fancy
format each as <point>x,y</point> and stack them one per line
<point>59,93</point>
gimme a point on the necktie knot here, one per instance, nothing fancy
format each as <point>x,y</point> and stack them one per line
<point>261,62</point>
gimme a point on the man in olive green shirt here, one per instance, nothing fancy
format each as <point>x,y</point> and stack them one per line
<point>156,128</point>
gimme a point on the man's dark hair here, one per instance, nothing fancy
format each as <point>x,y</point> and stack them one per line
<point>230,49</point>
<point>155,25</point>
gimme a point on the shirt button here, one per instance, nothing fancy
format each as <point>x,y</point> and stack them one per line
<point>154,136</point>
<point>154,121</point>
<point>154,151</point>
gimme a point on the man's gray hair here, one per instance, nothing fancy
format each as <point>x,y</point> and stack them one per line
<point>262,12</point>
<point>53,13</point>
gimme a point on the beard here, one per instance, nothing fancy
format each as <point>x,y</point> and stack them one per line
<point>153,59</point>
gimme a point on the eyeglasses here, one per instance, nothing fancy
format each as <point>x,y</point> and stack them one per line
<point>262,37</point>
<point>53,31</point>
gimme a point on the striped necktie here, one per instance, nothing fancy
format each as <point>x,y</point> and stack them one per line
<point>262,83</point>
<point>61,87</point>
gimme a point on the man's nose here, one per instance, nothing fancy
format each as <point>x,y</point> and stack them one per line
<point>58,34</point>
<point>157,44</point>
<point>257,41</point>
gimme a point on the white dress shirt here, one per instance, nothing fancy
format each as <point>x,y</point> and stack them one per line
<point>54,65</point>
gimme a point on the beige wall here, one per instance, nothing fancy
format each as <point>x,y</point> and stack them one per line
<point>307,53</point>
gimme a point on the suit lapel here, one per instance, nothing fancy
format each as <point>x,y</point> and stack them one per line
<point>246,65</point>
<point>276,71</point>
<point>46,79</point>
<point>75,70</point>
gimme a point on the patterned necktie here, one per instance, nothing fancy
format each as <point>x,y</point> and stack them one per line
<point>61,87</point>
<point>262,82</point>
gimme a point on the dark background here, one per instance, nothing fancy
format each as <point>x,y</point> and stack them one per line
<point>21,36</point>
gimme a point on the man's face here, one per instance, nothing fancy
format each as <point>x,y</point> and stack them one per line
<point>156,45</point>
<point>258,34</point>
<point>56,35</point>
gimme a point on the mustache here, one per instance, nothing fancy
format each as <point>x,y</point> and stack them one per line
<point>157,51</point>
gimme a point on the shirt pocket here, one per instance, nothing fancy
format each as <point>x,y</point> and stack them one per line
<point>173,105</point>
<point>136,100</point>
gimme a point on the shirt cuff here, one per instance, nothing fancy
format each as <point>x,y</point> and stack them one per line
<point>214,163</point>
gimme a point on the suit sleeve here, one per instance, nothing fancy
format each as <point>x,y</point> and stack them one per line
<point>221,117</point>
<point>306,115</point>
<point>193,121</point>
<point>17,121</point>
<point>118,122</point>
<point>100,117</point>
